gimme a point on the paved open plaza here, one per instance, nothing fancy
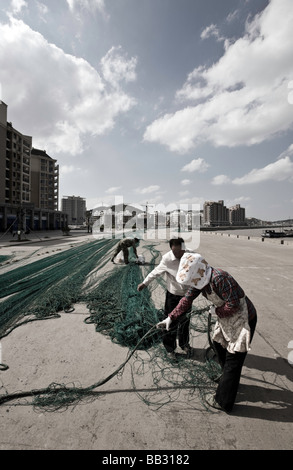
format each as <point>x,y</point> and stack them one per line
<point>67,350</point>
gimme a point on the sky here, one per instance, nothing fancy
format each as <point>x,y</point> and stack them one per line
<point>163,102</point>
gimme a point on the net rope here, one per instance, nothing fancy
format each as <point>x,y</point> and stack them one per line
<point>41,289</point>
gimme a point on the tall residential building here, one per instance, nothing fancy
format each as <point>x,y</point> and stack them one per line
<point>44,179</point>
<point>75,207</point>
<point>28,183</point>
<point>215,214</point>
<point>15,150</point>
<point>237,215</point>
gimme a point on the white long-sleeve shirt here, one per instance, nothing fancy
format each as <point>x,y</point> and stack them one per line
<point>168,266</point>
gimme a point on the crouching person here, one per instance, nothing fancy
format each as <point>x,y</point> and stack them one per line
<point>235,325</point>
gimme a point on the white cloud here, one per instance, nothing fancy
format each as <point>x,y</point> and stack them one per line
<point>89,5</point>
<point>116,67</point>
<point>243,98</point>
<point>185,182</point>
<point>113,190</point>
<point>211,31</point>
<point>280,170</point>
<point>191,200</point>
<point>17,5</point>
<point>60,98</point>
<point>148,189</point>
<point>96,202</point>
<point>66,169</point>
<point>43,10</point>
<point>220,179</point>
<point>232,16</point>
<point>242,200</point>
<point>196,165</point>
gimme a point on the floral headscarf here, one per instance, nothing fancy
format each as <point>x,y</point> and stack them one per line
<point>194,271</point>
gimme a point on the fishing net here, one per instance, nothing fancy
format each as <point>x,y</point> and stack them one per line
<point>4,259</point>
<point>118,310</point>
<point>41,289</point>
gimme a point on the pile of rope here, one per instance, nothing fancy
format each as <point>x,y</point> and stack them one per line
<point>41,289</point>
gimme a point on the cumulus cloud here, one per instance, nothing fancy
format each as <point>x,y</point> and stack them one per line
<point>116,67</point>
<point>242,99</point>
<point>60,98</point>
<point>185,182</point>
<point>220,179</point>
<point>211,31</point>
<point>242,200</point>
<point>89,5</point>
<point>197,164</point>
<point>280,170</point>
<point>113,190</point>
<point>66,169</point>
<point>17,5</point>
<point>43,10</point>
<point>149,189</point>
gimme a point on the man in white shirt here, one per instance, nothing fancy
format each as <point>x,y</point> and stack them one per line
<point>169,266</point>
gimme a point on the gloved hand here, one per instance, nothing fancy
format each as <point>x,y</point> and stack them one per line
<point>141,286</point>
<point>165,323</point>
<point>212,310</point>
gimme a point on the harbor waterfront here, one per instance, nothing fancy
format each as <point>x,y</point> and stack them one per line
<point>255,234</point>
<point>68,350</point>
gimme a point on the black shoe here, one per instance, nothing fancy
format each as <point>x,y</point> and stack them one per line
<point>172,356</point>
<point>217,378</point>
<point>211,401</point>
<point>188,351</point>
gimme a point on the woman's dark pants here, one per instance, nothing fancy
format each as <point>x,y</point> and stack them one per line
<point>179,327</point>
<point>232,367</point>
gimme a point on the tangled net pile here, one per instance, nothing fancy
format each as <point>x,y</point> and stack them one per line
<point>41,289</point>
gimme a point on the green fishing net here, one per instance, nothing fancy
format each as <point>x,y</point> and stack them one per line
<point>42,289</point>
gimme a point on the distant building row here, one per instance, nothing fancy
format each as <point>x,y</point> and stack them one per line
<point>216,214</point>
<point>29,191</point>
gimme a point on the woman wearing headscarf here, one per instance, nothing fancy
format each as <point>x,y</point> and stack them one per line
<point>235,325</point>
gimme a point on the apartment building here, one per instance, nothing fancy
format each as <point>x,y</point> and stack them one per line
<point>75,208</point>
<point>28,183</point>
<point>215,214</point>
<point>44,179</point>
<point>237,215</point>
<point>15,150</point>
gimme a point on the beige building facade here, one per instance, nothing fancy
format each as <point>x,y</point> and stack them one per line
<point>216,214</point>
<point>75,208</point>
<point>29,182</point>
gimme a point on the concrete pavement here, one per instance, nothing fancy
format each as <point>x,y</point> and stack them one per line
<point>68,350</point>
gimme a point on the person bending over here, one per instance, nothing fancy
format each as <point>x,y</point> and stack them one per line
<point>235,325</point>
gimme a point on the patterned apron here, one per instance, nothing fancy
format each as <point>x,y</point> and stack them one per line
<point>233,332</point>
